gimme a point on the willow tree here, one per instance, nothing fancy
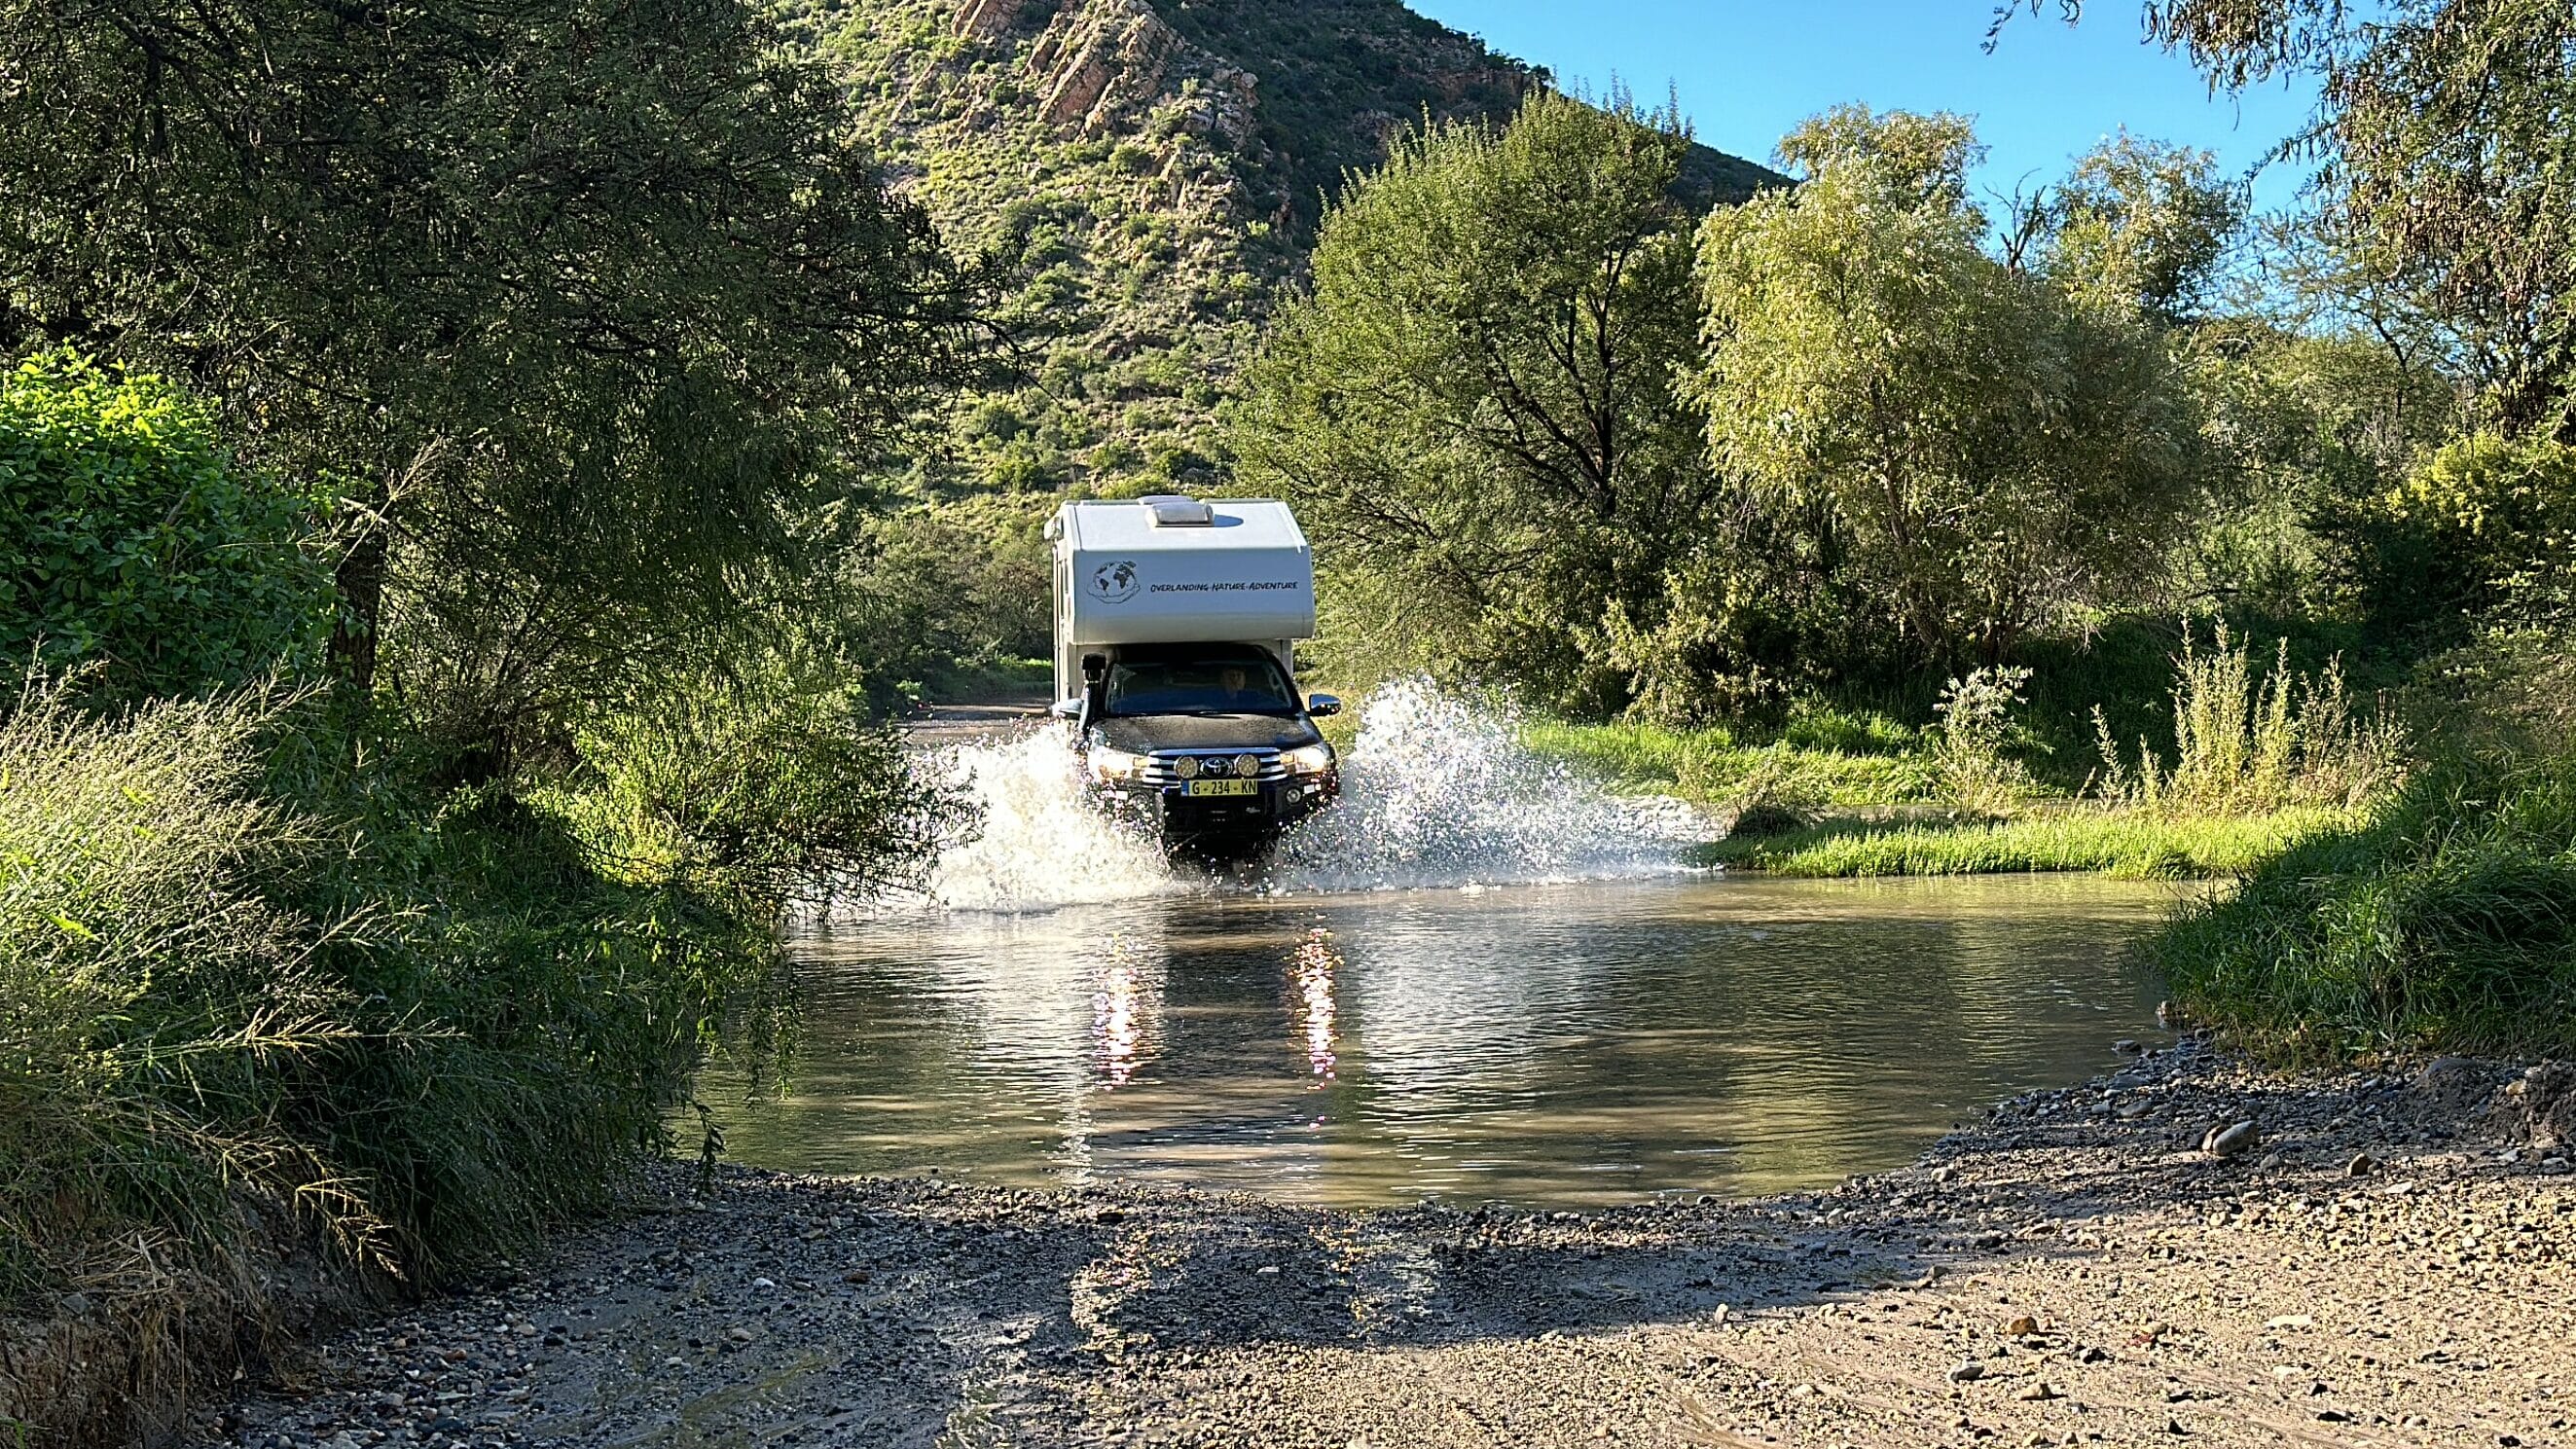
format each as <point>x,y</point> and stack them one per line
<point>583,301</point>
<point>1995,451</point>
<point>2445,159</point>
<point>1475,403</point>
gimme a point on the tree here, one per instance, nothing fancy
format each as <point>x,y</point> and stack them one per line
<point>583,300</point>
<point>2446,159</point>
<point>1475,405</point>
<point>1996,452</point>
<point>130,544</point>
<point>2143,225</point>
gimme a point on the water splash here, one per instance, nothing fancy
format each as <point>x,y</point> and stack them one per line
<point>1437,792</point>
<point>1038,843</point>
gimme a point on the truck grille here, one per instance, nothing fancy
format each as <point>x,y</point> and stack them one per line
<point>1162,767</point>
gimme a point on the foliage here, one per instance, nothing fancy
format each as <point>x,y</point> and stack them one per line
<point>2128,845</point>
<point>2446,161</point>
<point>1475,409</point>
<point>769,777</point>
<point>2250,742</point>
<point>133,547</point>
<point>585,299</point>
<point>1996,455</point>
<point>238,956</point>
<point>936,594</point>
<point>2141,226</point>
<point>2482,533</point>
<point>1976,729</point>
<point>2448,923</point>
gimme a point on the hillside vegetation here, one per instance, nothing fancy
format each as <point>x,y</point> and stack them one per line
<point>1150,177</point>
<point>1153,172</point>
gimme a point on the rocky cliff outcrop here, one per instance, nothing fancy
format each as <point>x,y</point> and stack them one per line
<point>986,19</point>
<point>1101,62</point>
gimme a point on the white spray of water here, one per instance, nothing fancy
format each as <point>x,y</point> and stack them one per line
<point>1437,792</point>
<point>1038,843</point>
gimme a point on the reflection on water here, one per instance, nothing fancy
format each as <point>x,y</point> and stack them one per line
<point>1545,1045</point>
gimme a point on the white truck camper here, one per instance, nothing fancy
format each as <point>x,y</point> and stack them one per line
<point>1176,621</point>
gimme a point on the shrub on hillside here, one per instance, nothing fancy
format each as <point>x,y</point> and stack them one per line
<point>131,541</point>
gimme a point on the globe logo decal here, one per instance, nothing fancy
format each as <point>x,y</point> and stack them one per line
<point>1114,583</point>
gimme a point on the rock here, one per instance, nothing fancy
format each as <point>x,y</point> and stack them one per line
<point>2292,1320</point>
<point>2126,1046</point>
<point>2021,1327</point>
<point>2271,1162</point>
<point>2538,1108</point>
<point>2233,1140</point>
<point>2170,1016</point>
<point>76,1305</point>
<point>2038,1392</point>
<point>1967,1371</point>
<point>1944,1173</point>
<point>855,1275</point>
<point>2458,1083</point>
<point>2362,1165</point>
<point>738,1334</point>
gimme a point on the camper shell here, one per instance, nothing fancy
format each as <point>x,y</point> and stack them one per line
<point>1170,570</point>
<point>1176,621</point>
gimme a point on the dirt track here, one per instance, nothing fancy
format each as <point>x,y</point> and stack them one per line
<point>2171,1297</point>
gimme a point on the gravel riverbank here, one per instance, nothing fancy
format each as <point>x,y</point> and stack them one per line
<point>2380,1260</point>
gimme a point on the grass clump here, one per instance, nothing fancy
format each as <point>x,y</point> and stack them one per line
<point>2447,920</point>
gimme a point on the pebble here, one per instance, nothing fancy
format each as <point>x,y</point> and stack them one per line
<point>2038,1392</point>
<point>1967,1371</point>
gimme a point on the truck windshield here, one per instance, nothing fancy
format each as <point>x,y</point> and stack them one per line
<point>1192,686</point>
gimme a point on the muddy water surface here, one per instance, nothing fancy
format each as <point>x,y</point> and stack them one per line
<point>1546,1045</point>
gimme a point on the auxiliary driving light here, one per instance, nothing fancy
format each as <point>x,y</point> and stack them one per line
<point>1247,765</point>
<point>1187,767</point>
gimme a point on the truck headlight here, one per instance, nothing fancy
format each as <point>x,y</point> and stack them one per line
<point>1109,764</point>
<point>1311,760</point>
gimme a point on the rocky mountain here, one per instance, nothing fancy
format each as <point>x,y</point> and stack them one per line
<point>1154,170</point>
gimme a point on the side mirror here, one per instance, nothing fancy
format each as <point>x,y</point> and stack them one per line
<point>1066,709</point>
<point>1323,706</point>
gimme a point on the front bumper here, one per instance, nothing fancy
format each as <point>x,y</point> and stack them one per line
<point>1176,815</point>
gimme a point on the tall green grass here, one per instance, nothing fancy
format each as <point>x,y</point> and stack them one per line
<point>2445,921</point>
<point>2249,741</point>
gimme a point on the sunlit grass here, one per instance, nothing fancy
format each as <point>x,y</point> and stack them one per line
<point>1711,766</point>
<point>2121,843</point>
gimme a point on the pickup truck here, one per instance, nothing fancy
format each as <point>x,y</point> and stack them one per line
<point>1175,624</point>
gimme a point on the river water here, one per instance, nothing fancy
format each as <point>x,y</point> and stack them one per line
<point>1479,978</point>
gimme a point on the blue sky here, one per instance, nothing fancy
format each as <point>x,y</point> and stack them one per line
<point>1746,71</point>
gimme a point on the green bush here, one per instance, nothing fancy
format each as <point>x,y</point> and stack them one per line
<point>249,948</point>
<point>130,541</point>
<point>2447,922</point>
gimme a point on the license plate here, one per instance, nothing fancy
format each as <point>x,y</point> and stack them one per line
<point>1222,787</point>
